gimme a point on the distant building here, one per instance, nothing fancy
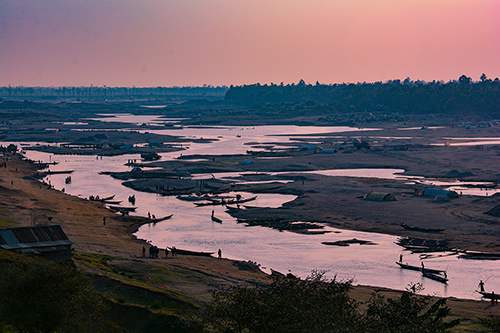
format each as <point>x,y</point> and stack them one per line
<point>49,242</point>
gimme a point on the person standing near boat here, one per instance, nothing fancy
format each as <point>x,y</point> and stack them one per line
<point>220,254</point>
<point>481,286</point>
<point>401,258</point>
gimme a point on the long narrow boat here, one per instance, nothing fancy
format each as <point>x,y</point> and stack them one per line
<point>435,277</point>
<point>419,268</point>
<point>224,202</point>
<point>489,295</point>
<point>118,208</point>
<point>406,266</point>
<point>193,253</point>
<point>162,218</point>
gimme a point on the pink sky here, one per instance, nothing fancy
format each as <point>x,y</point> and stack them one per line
<point>222,42</point>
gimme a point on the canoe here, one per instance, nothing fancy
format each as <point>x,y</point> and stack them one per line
<point>215,219</point>
<point>92,198</point>
<point>489,295</point>
<point>412,228</point>
<point>223,202</point>
<point>162,218</point>
<point>406,266</point>
<point>192,253</point>
<point>419,268</point>
<point>118,208</point>
<point>435,277</point>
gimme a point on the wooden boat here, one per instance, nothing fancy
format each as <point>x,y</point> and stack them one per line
<point>277,274</point>
<point>480,255</point>
<point>57,172</point>
<point>406,266</point>
<point>118,208</point>
<point>162,218</point>
<point>112,202</point>
<point>192,253</point>
<point>435,277</point>
<point>224,202</point>
<point>412,228</point>
<point>215,219</point>
<point>489,295</point>
<point>419,268</point>
<point>92,198</point>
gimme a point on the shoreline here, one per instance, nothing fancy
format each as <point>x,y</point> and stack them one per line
<point>118,241</point>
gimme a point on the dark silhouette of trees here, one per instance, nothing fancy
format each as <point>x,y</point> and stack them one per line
<point>319,305</point>
<point>462,95</point>
<point>49,297</point>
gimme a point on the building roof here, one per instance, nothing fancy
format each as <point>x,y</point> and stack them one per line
<point>33,237</point>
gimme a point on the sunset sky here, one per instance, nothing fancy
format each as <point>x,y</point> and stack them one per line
<point>150,43</point>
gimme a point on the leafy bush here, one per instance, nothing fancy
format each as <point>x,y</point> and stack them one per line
<point>319,305</point>
<point>47,296</point>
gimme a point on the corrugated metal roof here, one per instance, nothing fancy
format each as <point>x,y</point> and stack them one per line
<point>41,236</point>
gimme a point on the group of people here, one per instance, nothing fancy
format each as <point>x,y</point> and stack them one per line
<point>154,251</point>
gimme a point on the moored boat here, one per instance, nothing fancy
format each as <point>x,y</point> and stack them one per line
<point>436,277</point>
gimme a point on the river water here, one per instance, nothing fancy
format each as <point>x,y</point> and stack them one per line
<point>192,228</point>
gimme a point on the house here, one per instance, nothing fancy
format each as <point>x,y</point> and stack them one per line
<point>49,242</point>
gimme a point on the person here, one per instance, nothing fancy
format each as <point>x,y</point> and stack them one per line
<point>143,252</point>
<point>423,267</point>
<point>401,258</point>
<point>104,220</point>
<point>481,286</point>
<point>493,300</point>
<point>166,253</point>
<point>149,215</point>
<point>220,254</point>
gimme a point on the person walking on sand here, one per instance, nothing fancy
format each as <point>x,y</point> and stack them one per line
<point>401,258</point>
<point>220,254</point>
<point>166,253</point>
<point>481,286</point>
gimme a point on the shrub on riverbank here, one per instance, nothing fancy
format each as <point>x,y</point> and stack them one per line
<point>319,305</point>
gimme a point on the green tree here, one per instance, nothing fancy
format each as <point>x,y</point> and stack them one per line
<point>286,305</point>
<point>411,313</point>
<point>47,297</point>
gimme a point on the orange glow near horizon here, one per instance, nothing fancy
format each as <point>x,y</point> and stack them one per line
<point>224,42</point>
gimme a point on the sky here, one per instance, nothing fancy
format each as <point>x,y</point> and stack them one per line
<point>149,43</point>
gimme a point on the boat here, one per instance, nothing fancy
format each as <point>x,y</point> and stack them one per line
<point>277,274</point>
<point>489,295</point>
<point>192,253</point>
<point>435,277</point>
<point>223,202</point>
<point>412,228</point>
<point>96,198</point>
<point>419,268</point>
<point>480,255</point>
<point>215,219</point>
<point>406,266</point>
<point>112,202</point>
<point>118,208</point>
<point>162,218</point>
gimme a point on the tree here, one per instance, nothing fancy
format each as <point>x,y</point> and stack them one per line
<point>286,305</point>
<point>318,305</point>
<point>411,313</point>
<point>47,297</point>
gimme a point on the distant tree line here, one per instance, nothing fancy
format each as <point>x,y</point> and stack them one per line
<point>462,95</point>
<point>104,91</point>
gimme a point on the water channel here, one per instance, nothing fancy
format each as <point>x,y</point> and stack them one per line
<point>191,227</point>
